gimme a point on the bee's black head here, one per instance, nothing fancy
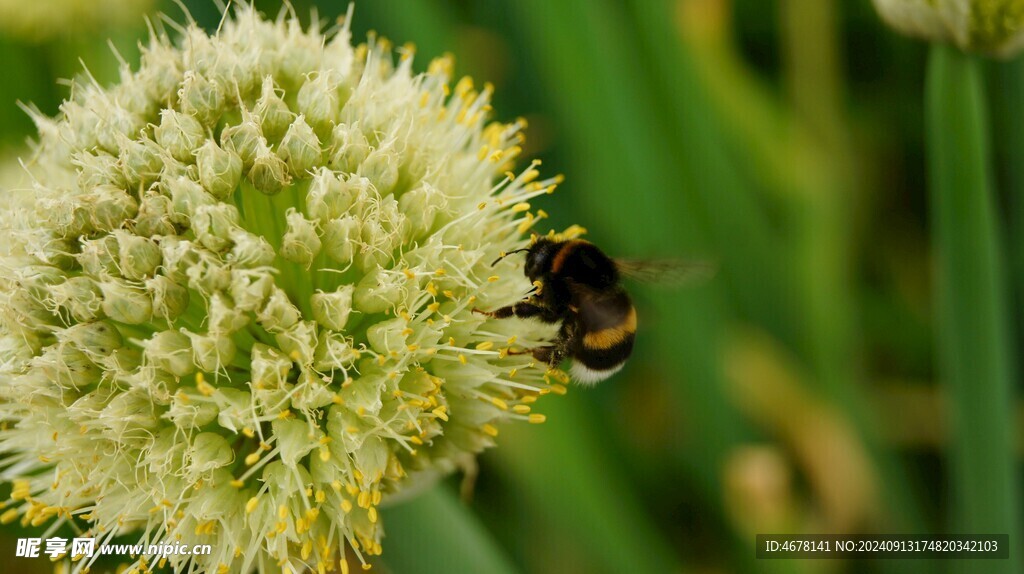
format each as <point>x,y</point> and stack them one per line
<point>540,257</point>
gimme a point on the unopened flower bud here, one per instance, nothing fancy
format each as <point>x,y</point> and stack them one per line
<point>110,207</point>
<point>301,243</point>
<point>378,292</point>
<point>381,168</point>
<point>200,98</point>
<point>250,289</point>
<point>332,309</point>
<point>299,341</point>
<point>154,216</point>
<point>420,207</point>
<point>318,100</point>
<point>274,115</point>
<point>140,161</point>
<point>97,169</point>
<point>387,336</point>
<point>250,250</point>
<point>99,257</point>
<point>328,196</point>
<point>300,148</point>
<point>95,339</point>
<point>220,170</point>
<point>244,139</point>
<point>171,351</point>
<point>138,256</point>
<point>279,313</point>
<point>169,298</point>
<point>180,134</point>
<point>81,297</point>
<point>125,302</point>
<point>214,225</point>
<point>270,366</point>
<point>349,147</point>
<point>225,318</point>
<point>268,173</point>
<point>341,238</point>
<point>211,352</point>
<point>186,197</point>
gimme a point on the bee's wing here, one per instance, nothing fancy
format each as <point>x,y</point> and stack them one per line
<point>667,272</point>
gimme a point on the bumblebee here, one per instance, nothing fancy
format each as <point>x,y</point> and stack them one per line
<point>576,284</point>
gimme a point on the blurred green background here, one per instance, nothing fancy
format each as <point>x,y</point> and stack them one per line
<point>795,392</point>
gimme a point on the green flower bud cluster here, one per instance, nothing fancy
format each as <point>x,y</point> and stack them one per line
<point>237,291</point>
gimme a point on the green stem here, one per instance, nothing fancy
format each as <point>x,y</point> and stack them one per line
<point>434,533</point>
<point>973,339</point>
<point>1008,134</point>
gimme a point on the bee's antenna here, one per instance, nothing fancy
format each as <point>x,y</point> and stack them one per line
<point>504,255</point>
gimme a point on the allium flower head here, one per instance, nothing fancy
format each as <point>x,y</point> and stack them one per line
<point>236,297</point>
<point>989,26</point>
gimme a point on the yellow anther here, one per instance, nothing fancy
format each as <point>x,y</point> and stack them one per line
<point>282,512</point>
<point>415,440</point>
<point>372,514</point>
<point>462,358</point>
<point>489,430</point>
<point>485,346</point>
<point>537,419</point>
<point>439,413</point>
<point>499,403</point>
<point>250,506</point>
<point>346,505</point>
<point>237,483</point>
<point>252,458</point>
<point>521,409</point>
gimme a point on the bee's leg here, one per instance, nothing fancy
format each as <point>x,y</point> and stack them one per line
<point>522,309</point>
<point>552,355</point>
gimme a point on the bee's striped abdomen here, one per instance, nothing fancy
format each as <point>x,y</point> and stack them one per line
<point>601,353</point>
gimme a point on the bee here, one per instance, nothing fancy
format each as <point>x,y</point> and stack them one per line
<point>576,284</point>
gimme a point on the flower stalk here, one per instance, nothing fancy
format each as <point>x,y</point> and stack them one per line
<point>973,340</point>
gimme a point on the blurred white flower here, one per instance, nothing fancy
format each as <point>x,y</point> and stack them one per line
<point>987,26</point>
<point>236,293</point>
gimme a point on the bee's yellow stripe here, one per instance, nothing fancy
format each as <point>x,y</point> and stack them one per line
<point>608,338</point>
